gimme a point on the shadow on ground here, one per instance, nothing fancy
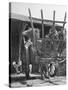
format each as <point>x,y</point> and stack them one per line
<point>23,80</point>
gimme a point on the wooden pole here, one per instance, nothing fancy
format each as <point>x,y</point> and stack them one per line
<point>43,40</point>
<point>34,41</point>
<point>64,20</point>
<point>32,26</point>
<point>42,23</point>
<point>20,38</point>
<point>27,62</point>
<point>54,19</point>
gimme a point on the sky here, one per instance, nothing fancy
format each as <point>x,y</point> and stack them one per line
<point>22,9</point>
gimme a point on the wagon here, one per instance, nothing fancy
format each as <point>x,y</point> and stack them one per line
<point>51,46</point>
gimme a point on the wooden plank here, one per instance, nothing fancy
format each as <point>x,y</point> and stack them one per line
<point>42,23</point>
<point>32,26</point>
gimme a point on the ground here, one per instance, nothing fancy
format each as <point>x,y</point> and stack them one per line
<point>19,80</point>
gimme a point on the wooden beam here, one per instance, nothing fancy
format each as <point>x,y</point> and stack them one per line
<point>32,26</point>
<point>46,20</point>
<point>42,23</point>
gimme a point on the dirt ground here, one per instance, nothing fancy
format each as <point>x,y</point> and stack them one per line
<point>19,80</point>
